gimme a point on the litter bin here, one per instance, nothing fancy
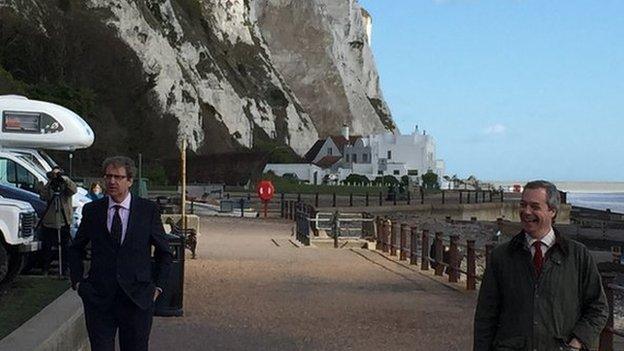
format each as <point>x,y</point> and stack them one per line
<point>169,303</point>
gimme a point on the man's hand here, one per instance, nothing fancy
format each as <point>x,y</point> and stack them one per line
<point>157,293</point>
<point>575,344</point>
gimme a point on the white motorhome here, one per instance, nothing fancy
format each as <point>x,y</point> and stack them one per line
<point>28,126</point>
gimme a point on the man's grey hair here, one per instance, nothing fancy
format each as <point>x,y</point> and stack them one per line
<point>118,162</point>
<point>553,199</point>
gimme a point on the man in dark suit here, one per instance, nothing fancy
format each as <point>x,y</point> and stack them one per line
<point>120,288</point>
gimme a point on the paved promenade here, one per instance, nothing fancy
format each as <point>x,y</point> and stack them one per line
<point>251,289</point>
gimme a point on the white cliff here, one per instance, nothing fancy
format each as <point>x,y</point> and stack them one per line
<point>323,52</point>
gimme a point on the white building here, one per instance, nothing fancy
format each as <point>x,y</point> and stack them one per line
<point>391,154</point>
<point>372,156</point>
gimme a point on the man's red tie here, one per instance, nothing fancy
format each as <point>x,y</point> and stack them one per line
<point>538,257</point>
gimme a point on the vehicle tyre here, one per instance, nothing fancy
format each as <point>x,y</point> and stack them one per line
<point>10,265</point>
<point>4,263</point>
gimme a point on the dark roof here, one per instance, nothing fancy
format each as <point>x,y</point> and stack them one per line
<point>314,150</point>
<point>341,141</point>
<point>328,161</point>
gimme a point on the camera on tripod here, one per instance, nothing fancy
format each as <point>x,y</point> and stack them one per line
<point>57,183</point>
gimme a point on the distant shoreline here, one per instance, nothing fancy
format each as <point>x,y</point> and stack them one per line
<point>573,186</point>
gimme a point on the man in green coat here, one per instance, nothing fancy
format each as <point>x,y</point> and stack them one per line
<point>540,291</point>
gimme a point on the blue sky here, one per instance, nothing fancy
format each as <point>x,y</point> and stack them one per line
<point>509,89</point>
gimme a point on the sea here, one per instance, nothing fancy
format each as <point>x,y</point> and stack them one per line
<point>598,201</point>
<point>596,195</point>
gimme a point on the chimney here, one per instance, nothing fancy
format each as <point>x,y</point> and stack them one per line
<point>416,129</point>
<point>345,131</point>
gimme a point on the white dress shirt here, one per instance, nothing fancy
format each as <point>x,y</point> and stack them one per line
<point>547,242</point>
<point>124,213</point>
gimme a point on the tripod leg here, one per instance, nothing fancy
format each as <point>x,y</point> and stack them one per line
<point>60,256</point>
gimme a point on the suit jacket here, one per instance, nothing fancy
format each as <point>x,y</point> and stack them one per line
<point>127,265</point>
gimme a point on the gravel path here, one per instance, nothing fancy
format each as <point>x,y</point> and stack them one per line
<point>244,292</point>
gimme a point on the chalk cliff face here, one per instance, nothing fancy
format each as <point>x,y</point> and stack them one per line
<point>226,75</point>
<point>322,49</point>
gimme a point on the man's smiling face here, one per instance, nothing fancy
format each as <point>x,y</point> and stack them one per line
<point>535,215</point>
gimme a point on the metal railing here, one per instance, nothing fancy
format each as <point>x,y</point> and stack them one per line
<point>369,199</point>
<point>308,220</point>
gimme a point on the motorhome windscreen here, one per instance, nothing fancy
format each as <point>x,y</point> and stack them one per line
<point>30,159</point>
<point>16,175</point>
<point>29,123</point>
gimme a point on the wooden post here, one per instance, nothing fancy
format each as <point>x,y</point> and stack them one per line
<point>471,281</point>
<point>282,206</point>
<point>334,199</point>
<point>502,196</point>
<point>488,252</point>
<point>468,198</point>
<point>414,245</point>
<point>378,232</point>
<point>184,221</point>
<point>316,199</point>
<point>422,196</point>
<point>424,253</point>
<point>409,198</point>
<point>299,197</point>
<point>387,229</point>
<point>380,198</point>
<point>443,199</point>
<point>454,259</point>
<point>461,197</point>
<point>350,199</point>
<point>439,254</point>
<point>367,199</point>
<point>606,336</point>
<point>183,179</point>
<point>393,238</point>
<point>403,242</point>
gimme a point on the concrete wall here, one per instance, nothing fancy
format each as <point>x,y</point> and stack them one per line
<point>60,326</point>
<point>304,171</point>
<point>483,212</point>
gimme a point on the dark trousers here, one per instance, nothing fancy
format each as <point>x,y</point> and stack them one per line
<point>49,239</point>
<point>133,323</point>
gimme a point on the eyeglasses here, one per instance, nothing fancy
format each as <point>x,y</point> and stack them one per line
<point>114,176</point>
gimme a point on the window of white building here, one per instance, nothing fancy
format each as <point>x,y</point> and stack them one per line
<point>389,155</point>
<point>329,151</point>
<point>365,158</point>
<point>354,158</point>
<point>396,172</point>
<point>347,157</point>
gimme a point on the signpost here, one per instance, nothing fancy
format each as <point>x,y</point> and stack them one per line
<point>266,190</point>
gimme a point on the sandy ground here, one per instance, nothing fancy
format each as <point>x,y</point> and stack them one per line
<point>251,289</point>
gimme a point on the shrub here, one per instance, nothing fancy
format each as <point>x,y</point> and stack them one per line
<point>357,179</point>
